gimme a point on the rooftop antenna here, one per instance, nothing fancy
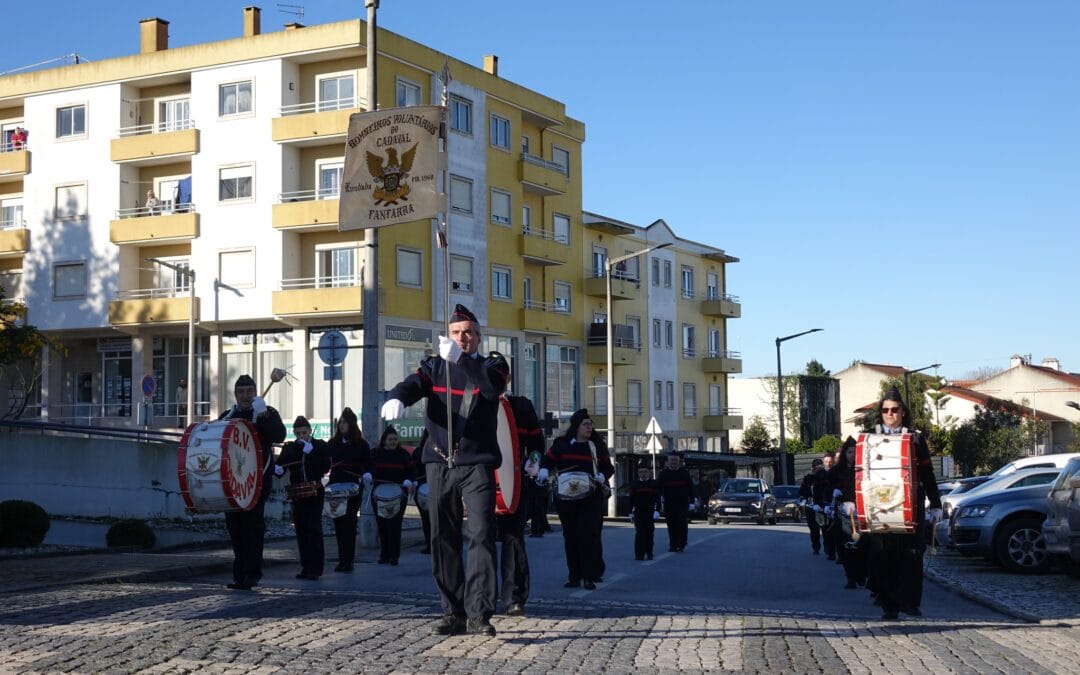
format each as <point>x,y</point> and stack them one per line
<point>296,10</point>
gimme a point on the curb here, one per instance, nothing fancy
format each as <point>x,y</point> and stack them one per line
<point>949,585</point>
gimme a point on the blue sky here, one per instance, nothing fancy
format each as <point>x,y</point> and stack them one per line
<point>903,175</point>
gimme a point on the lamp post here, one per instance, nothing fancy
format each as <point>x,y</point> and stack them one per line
<point>609,265</point>
<point>188,274</point>
<point>907,389</point>
<point>780,400</point>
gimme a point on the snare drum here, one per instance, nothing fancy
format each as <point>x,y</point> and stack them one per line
<point>220,466</point>
<point>574,485</point>
<point>388,499</point>
<point>302,490</point>
<point>422,496</point>
<point>337,498</point>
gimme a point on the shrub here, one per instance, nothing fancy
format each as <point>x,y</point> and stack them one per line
<point>22,524</point>
<point>130,532</point>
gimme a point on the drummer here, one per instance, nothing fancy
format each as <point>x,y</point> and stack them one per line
<point>350,457</point>
<point>392,467</point>
<point>308,460</point>
<point>247,528</point>
<point>510,527</point>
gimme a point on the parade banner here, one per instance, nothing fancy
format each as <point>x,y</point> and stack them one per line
<point>391,167</point>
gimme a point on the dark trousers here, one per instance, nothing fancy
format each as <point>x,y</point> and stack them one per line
<point>644,529</point>
<point>425,519</point>
<point>246,532</point>
<point>830,538</point>
<point>815,530</point>
<point>853,555</point>
<point>307,521</point>
<point>468,588</point>
<point>390,535</point>
<point>896,570</point>
<point>582,522</point>
<point>513,562</point>
<point>677,525</point>
<point>538,507</point>
<point>345,531</point>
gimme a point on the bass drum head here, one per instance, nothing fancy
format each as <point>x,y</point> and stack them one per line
<point>508,475</point>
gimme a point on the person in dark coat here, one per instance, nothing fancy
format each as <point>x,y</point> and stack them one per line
<point>676,488</point>
<point>510,527</point>
<point>307,459</point>
<point>645,507</point>
<point>842,479</point>
<point>350,457</point>
<point>581,506</point>
<point>460,470</point>
<point>247,529</point>
<point>806,493</point>
<point>393,466</point>
<point>419,478</point>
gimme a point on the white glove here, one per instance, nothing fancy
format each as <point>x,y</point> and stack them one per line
<point>829,511</point>
<point>392,410</point>
<point>325,480</point>
<point>308,447</point>
<point>279,470</point>
<point>407,484</point>
<point>531,469</point>
<point>449,350</point>
<point>366,477</point>
<point>837,493</point>
<point>600,478</point>
<point>933,515</point>
<point>542,474</point>
<point>656,515</point>
<point>258,404</point>
<point>815,507</point>
<point>849,508</point>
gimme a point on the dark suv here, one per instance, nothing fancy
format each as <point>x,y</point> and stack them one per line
<point>743,499</point>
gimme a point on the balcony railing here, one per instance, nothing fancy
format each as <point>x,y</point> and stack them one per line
<point>715,294</point>
<point>12,224</point>
<point>600,273</point>
<point>309,195</point>
<point>323,106</point>
<point>689,410</point>
<point>629,410</point>
<point>342,281</point>
<point>538,306</point>
<point>540,161</point>
<point>718,410</point>
<point>544,234</point>
<point>689,352</point>
<point>687,294</point>
<point>720,354</point>
<point>162,210</point>
<point>8,146</point>
<point>153,293</point>
<point>156,128</point>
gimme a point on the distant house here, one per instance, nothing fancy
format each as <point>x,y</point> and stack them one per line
<point>819,406</point>
<point>860,383</point>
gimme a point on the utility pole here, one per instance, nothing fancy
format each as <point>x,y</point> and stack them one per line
<point>369,414</point>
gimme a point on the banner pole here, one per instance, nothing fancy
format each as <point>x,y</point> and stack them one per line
<point>444,241</point>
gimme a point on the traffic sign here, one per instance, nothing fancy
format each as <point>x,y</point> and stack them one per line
<point>331,372</point>
<point>653,429</point>
<point>149,386</point>
<point>333,347</point>
<point>654,444</point>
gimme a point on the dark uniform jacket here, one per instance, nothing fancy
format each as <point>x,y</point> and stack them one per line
<point>475,428</point>
<point>392,466</point>
<point>567,455</point>
<point>349,462</point>
<point>270,429</point>
<point>530,437</point>
<point>676,487</point>
<point>645,498</point>
<point>304,467</point>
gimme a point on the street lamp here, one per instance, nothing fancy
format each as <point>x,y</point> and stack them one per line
<point>780,395</point>
<point>609,265</point>
<point>189,274</point>
<point>907,389</point>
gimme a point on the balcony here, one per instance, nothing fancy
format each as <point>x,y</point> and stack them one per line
<point>317,297</point>
<point>625,351</point>
<point>627,418</point>
<point>14,239</point>
<point>623,286</point>
<point>722,419</point>
<point>14,163</point>
<point>306,211</point>
<point>144,225</point>
<point>544,248</point>
<point>721,305</point>
<point>315,123</point>
<point>546,318</point>
<point>541,177</point>
<point>149,144</point>
<point>151,306</point>
<point>722,362</point>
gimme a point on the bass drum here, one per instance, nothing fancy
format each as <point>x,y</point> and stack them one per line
<point>508,475</point>
<point>885,489</point>
<point>220,466</point>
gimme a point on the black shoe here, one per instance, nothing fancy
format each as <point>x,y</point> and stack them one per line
<point>516,609</point>
<point>648,556</point>
<point>671,550</point>
<point>426,550</point>
<point>449,625</point>
<point>239,587</point>
<point>890,615</point>
<point>572,584</point>
<point>851,584</point>
<point>394,561</point>
<point>599,580</point>
<point>912,611</point>
<point>590,586</point>
<point>480,626</point>
<point>340,567</point>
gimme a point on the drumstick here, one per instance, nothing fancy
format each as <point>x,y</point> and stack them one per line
<point>276,375</point>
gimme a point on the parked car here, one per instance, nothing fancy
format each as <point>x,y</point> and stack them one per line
<point>1062,525</point>
<point>787,501</point>
<point>743,499</point>
<point>1037,462</point>
<point>1004,526</point>
<point>1015,479</point>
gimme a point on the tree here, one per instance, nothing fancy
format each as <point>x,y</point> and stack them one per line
<point>815,369</point>
<point>20,352</point>
<point>755,438</point>
<point>992,438</point>
<point>793,446</point>
<point>827,444</point>
<point>791,405</point>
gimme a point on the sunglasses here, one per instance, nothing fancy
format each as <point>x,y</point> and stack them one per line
<point>891,411</point>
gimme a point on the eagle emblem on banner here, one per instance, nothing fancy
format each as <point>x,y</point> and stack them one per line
<point>390,175</point>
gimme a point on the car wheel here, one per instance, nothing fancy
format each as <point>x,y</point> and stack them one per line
<point>1020,546</point>
<point>761,519</point>
<point>772,521</point>
<point>712,521</point>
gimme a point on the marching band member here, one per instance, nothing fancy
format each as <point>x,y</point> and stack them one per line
<point>811,508</point>
<point>419,477</point>
<point>461,470</point>
<point>350,457</point>
<point>510,528</point>
<point>248,528</point>
<point>842,478</point>
<point>823,498</point>
<point>676,489</point>
<point>392,466</point>
<point>645,507</point>
<point>307,460</point>
<point>581,450</point>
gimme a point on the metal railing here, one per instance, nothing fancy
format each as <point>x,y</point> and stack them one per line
<point>12,224</point>
<point>687,294</point>
<point>323,106</point>
<point>344,281</point>
<point>160,210</point>
<point>540,161</point>
<point>689,410</point>
<point>153,293</point>
<point>539,306</point>
<point>689,352</point>
<point>544,234</point>
<point>156,128</point>
<point>719,410</point>
<point>309,195</point>
<point>601,340</point>
<point>715,294</point>
<point>59,427</point>
<point>8,146</point>
<point>600,273</point>
<point>629,410</point>
<point>721,354</point>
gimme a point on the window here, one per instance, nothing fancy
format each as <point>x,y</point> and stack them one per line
<point>599,261</point>
<point>526,218</point>
<point>669,334</point>
<point>11,213</point>
<point>524,145</point>
<point>407,93</point>
<point>500,132</point>
<point>69,280</point>
<point>562,379</point>
<point>173,114</point>
<point>655,275</point>
<point>658,395</point>
<point>11,283</point>
<point>173,282</point>
<point>336,92</point>
<point>656,332</point>
<point>71,121</point>
<point>234,98</point>
<point>714,343</point>
<point>461,114</point>
<point>500,283</point>
<point>337,266</point>
<point>599,390</point>
<point>461,274</point>
<point>500,207</point>
<point>687,282</point>
<point>409,268</point>
<point>716,400</point>
<point>461,194</point>
<point>712,286</point>
<point>562,296</point>
<point>688,343</point>
<point>329,178</point>
<point>667,274</point>
<point>234,182</point>
<point>236,269</point>
<point>670,395</point>
<point>561,225</point>
<point>526,292</point>
<point>630,268</point>
<point>633,397</point>
<point>70,201</point>
<point>562,158</point>
<point>634,322</point>
<point>689,400</point>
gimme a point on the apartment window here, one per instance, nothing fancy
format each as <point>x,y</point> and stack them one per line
<point>712,286</point>
<point>655,272</point>
<point>561,226</point>
<point>635,329</point>
<point>408,93</point>
<point>526,292</point>
<point>500,132</point>
<point>329,174</point>
<point>630,268</point>
<point>669,334</point>
<point>409,268</point>
<point>562,379</point>
<point>670,395</point>
<point>461,274</point>
<point>336,92</point>
<point>461,114</point>
<point>656,333</point>
<point>562,158</point>
<point>500,207</point>
<point>461,194</point>
<point>337,266</point>
<point>526,218</point>
<point>11,284</point>
<point>234,98</point>
<point>687,282</point>
<point>633,397</point>
<point>714,343</point>
<point>500,283</point>
<point>667,274</point>
<point>599,390</point>
<point>11,213</point>
<point>689,346</point>
<point>173,282</point>
<point>689,398</point>
<point>69,280</point>
<point>658,395</point>
<point>234,182</point>
<point>236,269</point>
<point>70,201</point>
<point>71,121</point>
<point>562,296</point>
<point>716,400</point>
<point>173,114</point>
<point>524,145</point>
<point>599,261</point>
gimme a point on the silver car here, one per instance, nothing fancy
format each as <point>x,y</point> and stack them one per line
<point>1009,481</point>
<point>1062,526</point>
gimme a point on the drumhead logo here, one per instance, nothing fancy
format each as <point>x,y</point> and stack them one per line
<point>242,462</point>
